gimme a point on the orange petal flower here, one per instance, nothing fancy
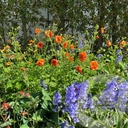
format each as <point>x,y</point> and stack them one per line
<point>72,46</point>
<point>37,31</point>
<point>31,42</point>
<point>24,113</point>
<point>21,93</point>
<point>102,30</point>
<point>48,33</point>
<point>97,37</point>
<point>71,58</point>
<point>40,62</point>
<point>66,54</point>
<point>5,106</point>
<point>79,69</point>
<point>108,43</point>
<point>39,44</point>
<point>82,56</point>
<point>93,65</point>
<point>122,44</point>
<point>54,62</point>
<point>58,39</point>
<point>65,45</point>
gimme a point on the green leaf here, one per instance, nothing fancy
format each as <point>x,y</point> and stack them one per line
<point>24,126</point>
<point>37,116</point>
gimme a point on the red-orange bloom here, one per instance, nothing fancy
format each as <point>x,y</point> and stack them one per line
<point>65,45</point>
<point>48,33</point>
<point>72,46</point>
<point>8,127</point>
<point>66,54</point>
<point>82,56</point>
<point>93,65</point>
<point>21,93</point>
<point>54,62</point>
<point>24,113</point>
<point>5,106</point>
<point>40,62</point>
<point>39,44</point>
<point>79,69</point>
<point>122,44</point>
<point>97,37</point>
<point>71,58</point>
<point>108,43</point>
<point>58,39</point>
<point>102,30</point>
<point>37,31</point>
<point>23,69</point>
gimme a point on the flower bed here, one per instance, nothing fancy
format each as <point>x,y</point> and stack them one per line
<point>58,82</point>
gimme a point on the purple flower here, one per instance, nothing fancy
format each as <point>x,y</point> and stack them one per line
<point>80,44</point>
<point>89,103</point>
<point>118,51</point>
<point>43,85</point>
<point>99,56</point>
<point>119,58</point>
<point>64,124</point>
<point>57,100</point>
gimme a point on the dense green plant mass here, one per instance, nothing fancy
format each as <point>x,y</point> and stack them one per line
<point>59,82</point>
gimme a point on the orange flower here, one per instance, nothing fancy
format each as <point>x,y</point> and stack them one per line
<point>40,62</point>
<point>31,42</point>
<point>37,31</point>
<point>79,69</point>
<point>65,45</point>
<point>97,37</point>
<point>54,62</point>
<point>82,56</point>
<point>72,46</point>
<point>71,58</point>
<point>24,113</point>
<point>27,94</point>
<point>8,127</point>
<point>48,33</point>
<point>122,44</point>
<point>9,41</point>
<point>93,65</point>
<point>23,69</point>
<point>108,43</point>
<point>102,30</point>
<point>21,93</point>
<point>66,54</point>
<point>8,63</point>
<point>39,44</point>
<point>58,39</point>
<point>5,106</point>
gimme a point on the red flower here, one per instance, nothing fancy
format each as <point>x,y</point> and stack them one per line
<point>40,62</point>
<point>48,33</point>
<point>54,62</point>
<point>93,65</point>
<point>39,44</point>
<point>82,56</point>
<point>58,39</point>
<point>27,94</point>
<point>79,69</point>
<point>71,58</point>
<point>8,127</point>
<point>37,31</point>
<point>23,69</point>
<point>5,106</point>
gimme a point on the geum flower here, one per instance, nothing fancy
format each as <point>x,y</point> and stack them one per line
<point>5,106</point>
<point>37,31</point>
<point>54,62</point>
<point>40,44</point>
<point>58,39</point>
<point>93,65</point>
<point>82,56</point>
<point>79,69</point>
<point>48,33</point>
<point>40,62</point>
